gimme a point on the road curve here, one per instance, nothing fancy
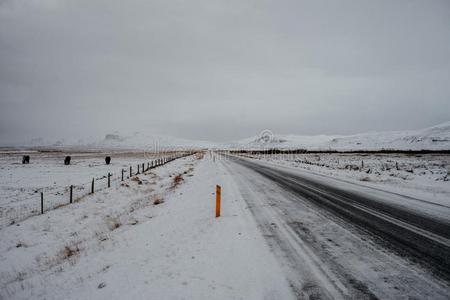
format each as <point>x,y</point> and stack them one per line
<point>410,232</point>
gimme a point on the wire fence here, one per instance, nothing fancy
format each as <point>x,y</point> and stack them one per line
<point>46,199</point>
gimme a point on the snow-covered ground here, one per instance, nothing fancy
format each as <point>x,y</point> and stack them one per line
<point>20,185</point>
<point>156,236</point>
<point>120,244</point>
<point>323,256</point>
<point>432,138</point>
<point>424,176</point>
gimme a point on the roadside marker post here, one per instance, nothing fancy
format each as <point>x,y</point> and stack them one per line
<point>42,203</point>
<point>218,196</point>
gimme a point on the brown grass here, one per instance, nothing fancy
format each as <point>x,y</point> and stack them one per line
<point>158,200</point>
<point>365,179</point>
<point>60,205</point>
<point>177,180</point>
<point>136,179</point>
<point>69,251</point>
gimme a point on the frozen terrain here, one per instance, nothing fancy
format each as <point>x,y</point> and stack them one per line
<point>137,140</point>
<point>156,236</point>
<point>21,184</point>
<point>158,239</point>
<point>293,226</point>
<point>433,138</point>
<point>424,176</point>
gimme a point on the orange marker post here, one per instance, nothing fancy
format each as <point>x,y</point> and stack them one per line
<point>218,194</point>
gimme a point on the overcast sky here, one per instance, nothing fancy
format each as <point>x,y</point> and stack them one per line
<point>221,70</point>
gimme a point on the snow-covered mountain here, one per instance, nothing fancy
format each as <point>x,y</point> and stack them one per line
<point>432,138</point>
<point>139,140</point>
<point>118,141</point>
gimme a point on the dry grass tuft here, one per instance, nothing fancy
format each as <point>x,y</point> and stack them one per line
<point>364,179</point>
<point>69,251</point>
<point>158,200</point>
<point>60,205</point>
<point>136,179</point>
<point>177,180</point>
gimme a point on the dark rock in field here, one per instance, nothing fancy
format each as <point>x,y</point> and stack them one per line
<point>108,160</point>
<point>67,160</point>
<point>101,285</point>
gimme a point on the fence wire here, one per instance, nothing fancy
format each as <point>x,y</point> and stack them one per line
<point>55,198</point>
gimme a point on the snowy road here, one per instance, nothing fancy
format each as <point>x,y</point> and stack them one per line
<point>339,240</point>
<point>282,234</point>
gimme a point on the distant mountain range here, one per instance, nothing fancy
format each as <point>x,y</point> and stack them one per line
<point>432,138</point>
<point>116,141</point>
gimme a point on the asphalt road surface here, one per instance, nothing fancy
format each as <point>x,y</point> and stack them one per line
<point>338,240</point>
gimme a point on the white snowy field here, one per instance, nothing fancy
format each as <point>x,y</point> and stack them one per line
<point>432,138</point>
<point>424,176</point>
<point>20,185</point>
<point>156,236</point>
<point>153,237</point>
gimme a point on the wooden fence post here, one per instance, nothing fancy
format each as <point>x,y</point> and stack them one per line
<point>138,169</point>
<point>218,196</point>
<point>131,172</point>
<point>92,186</point>
<point>122,174</point>
<point>42,203</point>
<point>71,193</point>
<point>143,168</point>
<point>109,179</point>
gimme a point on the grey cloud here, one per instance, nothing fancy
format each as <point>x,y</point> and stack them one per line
<point>221,70</point>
